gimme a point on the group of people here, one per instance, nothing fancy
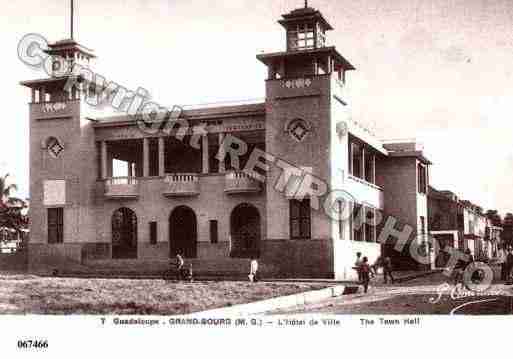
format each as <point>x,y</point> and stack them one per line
<point>366,271</point>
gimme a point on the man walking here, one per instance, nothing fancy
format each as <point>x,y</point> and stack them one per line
<point>179,266</point>
<point>387,270</point>
<point>365,273</point>
<point>253,271</point>
<point>509,265</point>
<point>501,261</point>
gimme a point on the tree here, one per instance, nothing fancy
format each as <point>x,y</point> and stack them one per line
<point>508,219</point>
<point>507,229</point>
<point>11,216</point>
<point>494,217</point>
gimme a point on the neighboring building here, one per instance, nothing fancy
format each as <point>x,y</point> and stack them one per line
<point>462,225</point>
<point>174,197</point>
<point>507,233</point>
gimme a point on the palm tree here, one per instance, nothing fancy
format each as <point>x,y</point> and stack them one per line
<point>5,194</point>
<point>11,216</point>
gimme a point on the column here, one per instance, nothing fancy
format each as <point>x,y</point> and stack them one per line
<point>104,159</point>
<point>222,168</point>
<point>350,157</point>
<point>161,157</point>
<point>362,163</point>
<point>363,222</point>
<point>205,154</point>
<point>33,92</point>
<point>146,157</point>
<point>373,169</point>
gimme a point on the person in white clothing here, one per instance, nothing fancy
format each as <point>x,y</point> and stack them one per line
<point>253,271</point>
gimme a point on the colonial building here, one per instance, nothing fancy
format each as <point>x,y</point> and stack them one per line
<point>186,194</point>
<point>462,225</point>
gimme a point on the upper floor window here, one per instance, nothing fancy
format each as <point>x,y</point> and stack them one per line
<point>302,37</point>
<point>422,178</point>
<point>362,162</point>
<point>321,36</point>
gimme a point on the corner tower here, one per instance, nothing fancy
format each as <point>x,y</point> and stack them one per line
<point>63,163</point>
<point>302,84</point>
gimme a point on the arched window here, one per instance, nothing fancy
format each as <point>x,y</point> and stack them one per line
<point>124,234</point>
<point>183,232</point>
<point>245,231</point>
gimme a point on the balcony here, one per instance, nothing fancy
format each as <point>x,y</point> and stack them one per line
<point>240,182</point>
<point>364,191</point>
<point>181,185</point>
<point>122,188</point>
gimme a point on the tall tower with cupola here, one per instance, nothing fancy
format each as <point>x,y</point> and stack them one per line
<point>63,163</point>
<point>304,83</point>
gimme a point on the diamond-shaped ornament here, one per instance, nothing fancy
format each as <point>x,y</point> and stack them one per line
<point>55,148</point>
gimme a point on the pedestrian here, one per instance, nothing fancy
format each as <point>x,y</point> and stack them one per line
<point>387,270</point>
<point>365,273</point>
<point>374,268</point>
<point>501,261</point>
<point>179,266</point>
<point>459,268</point>
<point>509,265</point>
<point>357,266</point>
<point>188,275</point>
<point>253,271</point>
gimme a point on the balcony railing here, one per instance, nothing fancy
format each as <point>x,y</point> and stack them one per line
<point>182,185</point>
<point>241,182</point>
<point>365,191</point>
<point>122,188</point>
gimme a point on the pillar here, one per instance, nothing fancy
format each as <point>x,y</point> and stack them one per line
<point>104,159</point>
<point>33,92</point>
<point>222,168</point>
<point>146,157</point>
<point>350,157</point>
<point>362,163</point>
<point>373,169</point>
<point>161,157</point>
<point>205,154</point>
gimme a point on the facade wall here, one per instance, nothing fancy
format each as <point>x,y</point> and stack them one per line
<point>284,105</point>
<point>398,178</point>
<point>76,165</point>
<point>212,203</point>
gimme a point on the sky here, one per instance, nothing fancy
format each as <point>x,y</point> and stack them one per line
<point>439,71</point>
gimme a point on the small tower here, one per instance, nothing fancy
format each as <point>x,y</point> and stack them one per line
<point>307,53</point>
<point>63,153</point>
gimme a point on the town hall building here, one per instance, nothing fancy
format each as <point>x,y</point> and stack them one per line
<point>184,194</point>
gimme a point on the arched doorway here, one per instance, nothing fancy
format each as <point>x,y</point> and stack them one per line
<point>124,234</point>
<point>183,232</point>
<point>245,231</point>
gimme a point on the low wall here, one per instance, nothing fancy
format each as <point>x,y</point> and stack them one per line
<point>15,262</point>
<point>279,259</point>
